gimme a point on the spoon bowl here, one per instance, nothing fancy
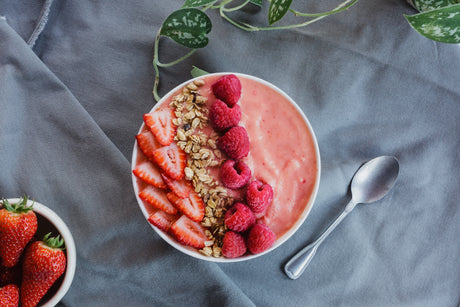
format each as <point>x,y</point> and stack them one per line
<point>370,183</point>
<point>374,179</point>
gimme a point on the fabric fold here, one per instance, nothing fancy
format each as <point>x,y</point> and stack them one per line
<point>42,20</point>
<point>53,151</point>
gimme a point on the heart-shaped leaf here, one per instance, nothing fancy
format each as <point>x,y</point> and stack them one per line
<point>187,27</point>
<point>442,25</point>
<point>196,3</point>
<point>197,72</point>
<point>277,10</point>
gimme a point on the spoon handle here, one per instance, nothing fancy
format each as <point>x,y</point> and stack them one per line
<point>297,265</point>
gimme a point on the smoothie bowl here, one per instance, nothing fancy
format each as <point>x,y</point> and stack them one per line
<point>225,167</point>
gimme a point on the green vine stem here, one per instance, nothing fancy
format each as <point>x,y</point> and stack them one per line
<point>224,8</point>
<point>340,8</point>
<point>236,8</point>
<point>155,67</point>
<point>247,27</point>
<point>157,64</point>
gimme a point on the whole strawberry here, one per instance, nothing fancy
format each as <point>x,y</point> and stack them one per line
<point>18,224</point>
<point>9,296</point>
<point>44,262</point>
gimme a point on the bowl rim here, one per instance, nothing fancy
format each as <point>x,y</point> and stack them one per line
<point>65,233</point>
<point>279,241</point>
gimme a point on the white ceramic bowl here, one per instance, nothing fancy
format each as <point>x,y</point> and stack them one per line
<point>192,251</point>
<point>62,284</point>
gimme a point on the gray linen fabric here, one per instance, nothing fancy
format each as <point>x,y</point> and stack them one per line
<point>369,84</point>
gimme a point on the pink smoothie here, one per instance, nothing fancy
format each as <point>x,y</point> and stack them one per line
<point>282,150</point>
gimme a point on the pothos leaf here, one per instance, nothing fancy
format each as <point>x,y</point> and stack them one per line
<point>428,5</point>
<point>257,2</point>
<point>196,3</point>
<point>187,27</point>
<point>277,10</point>
<point>197,72</point>
<point>442,25</point>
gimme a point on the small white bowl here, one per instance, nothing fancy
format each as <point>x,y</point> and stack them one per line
<point>194,252</point>
<point>55,222</point>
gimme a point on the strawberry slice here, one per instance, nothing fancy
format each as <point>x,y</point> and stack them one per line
<point>162,220</point>
<point>172,160</point>
<point>147,143</point>
<point>193,206</point>
<point>157,198</point>
<point>150,173</point>
<point>179,187</point>
<point>188,232</point>
<point>161,125</point>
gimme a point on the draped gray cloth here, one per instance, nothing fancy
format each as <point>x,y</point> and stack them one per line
<point>72,94</point>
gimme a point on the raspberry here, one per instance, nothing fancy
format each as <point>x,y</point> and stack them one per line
<point>233,245</point>
<point>234,175</point>
<point>239,218</point>
<point>259,196</point>
<point>227,89</point>
<point>234,143</point>
<point>223,117</point>
<point>260,238</point>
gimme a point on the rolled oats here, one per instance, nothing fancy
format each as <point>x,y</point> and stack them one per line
<point>192,86</point>
<point>207,251</point>
<point>181,135</point>
<point>188,173</point>
<point>177,121</point>
<point>195,122</point>
<point>209,243</point>
<point>191,116</point>
<point>199,82</point>
<point>216,251</point>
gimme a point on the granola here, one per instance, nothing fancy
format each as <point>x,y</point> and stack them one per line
<point>191,117</point>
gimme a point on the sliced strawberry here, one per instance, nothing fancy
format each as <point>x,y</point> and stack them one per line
<point>193,206</point>
<point>147,143</point>
<point>150,173</point>
<point>157,198</point>
<point>161,125</point>
<point>197,204</point>
<point>172,160</point>
<point>188,232</point>
<point>179,187</point>
<point>162,220</point>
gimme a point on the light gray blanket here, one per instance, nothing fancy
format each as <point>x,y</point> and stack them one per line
<point>71,104</point>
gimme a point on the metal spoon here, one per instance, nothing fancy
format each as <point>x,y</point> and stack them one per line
<point>370,183</point>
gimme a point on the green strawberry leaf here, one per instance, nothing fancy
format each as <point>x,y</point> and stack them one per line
<point>257,2</point>
<point>196,3</point>
<point>442,25</point>
<point>277,10</point>
<point>53,242</point>
<point>187,27</point>
<point>428,5</point>
<point>20,207</point>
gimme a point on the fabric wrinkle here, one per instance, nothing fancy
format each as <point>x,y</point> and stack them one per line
<point>42,21</point>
